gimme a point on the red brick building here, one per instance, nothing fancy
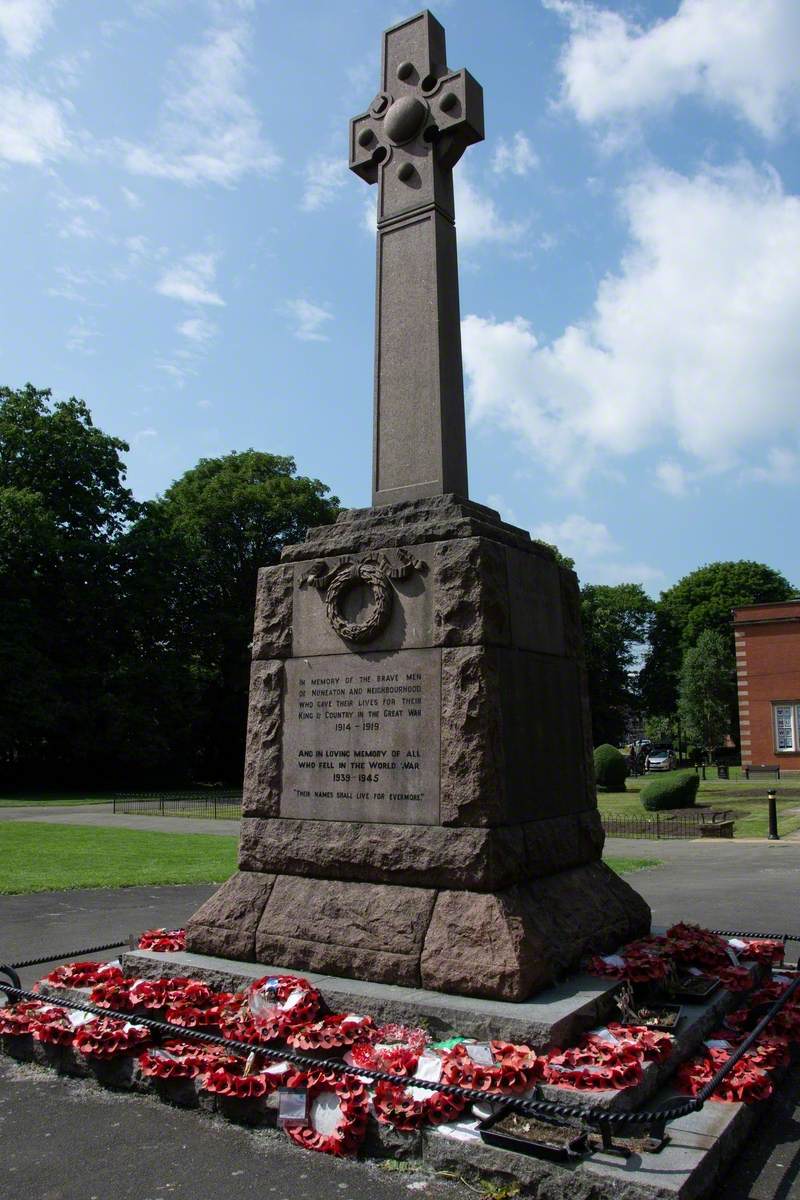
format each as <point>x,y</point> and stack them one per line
<point>768,673</point>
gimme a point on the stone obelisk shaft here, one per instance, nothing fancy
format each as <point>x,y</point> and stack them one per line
<point>416,129</point>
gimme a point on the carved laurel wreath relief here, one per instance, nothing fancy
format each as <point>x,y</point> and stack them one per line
<point>375,570</point>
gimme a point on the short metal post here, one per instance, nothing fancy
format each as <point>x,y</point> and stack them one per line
<point>773,835</point>
<point>215,808</point>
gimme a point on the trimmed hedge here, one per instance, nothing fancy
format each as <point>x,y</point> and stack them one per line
<point>610,768</point>
<point>676,790</point>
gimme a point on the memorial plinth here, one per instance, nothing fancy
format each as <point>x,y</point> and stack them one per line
<point>419,804</point>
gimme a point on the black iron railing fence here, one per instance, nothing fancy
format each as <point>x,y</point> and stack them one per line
<point>216,803</point>
<point>671,825</point>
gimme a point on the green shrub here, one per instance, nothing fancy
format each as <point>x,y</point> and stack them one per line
<point>610,768</point>
<point>678,789</point>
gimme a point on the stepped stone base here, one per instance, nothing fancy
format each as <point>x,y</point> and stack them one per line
<point>506,945</point>
<point>419,804</point>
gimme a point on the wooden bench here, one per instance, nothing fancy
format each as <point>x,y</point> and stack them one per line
<point>717,829</point>
<point>762,769</point>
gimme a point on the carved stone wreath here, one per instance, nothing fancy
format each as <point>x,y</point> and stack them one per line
<point>374,570</point>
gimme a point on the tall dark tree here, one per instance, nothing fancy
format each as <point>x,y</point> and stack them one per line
<point>194,557</point>
<point>702,601</point>
<point>63,504</point>
<point>616,622</point>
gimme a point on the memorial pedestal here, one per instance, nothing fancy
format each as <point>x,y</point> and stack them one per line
<point>419,803</point>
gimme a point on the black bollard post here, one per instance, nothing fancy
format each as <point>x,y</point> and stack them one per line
<point>773,835</point>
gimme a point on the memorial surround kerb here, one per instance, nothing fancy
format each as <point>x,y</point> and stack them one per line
<point>419,804</point>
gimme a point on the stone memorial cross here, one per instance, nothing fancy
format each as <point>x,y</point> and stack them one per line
<point>414,133</point>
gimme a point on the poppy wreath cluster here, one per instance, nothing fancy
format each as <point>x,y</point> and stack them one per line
<point>353,1100</point>
<point>410,1037</point>
<point>231,1081</point>
<point>785,1024</point>
<point>396,1060</point>
<point>516,1069</point>
<point>278,1004</point>
<point>163,941</point>
<point>746,1081</point>
<point>196,1006</point>
<point>770,1052</point>
<point>114,992</point>
<point>106,1038</point>
<point>53,1027</point>
<point>642,961</point>
<point>767,951</point>
<point>397,1106</point>
<point>652,1044</point>
<point>333,1032</point>
<point>595,1066</point>
<point>182,1060</point>
<point>650,959</point>
<point>82,974</point>
<point>20,1019</point>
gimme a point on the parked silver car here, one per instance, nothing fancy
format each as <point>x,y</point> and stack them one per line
<point>659,760</point>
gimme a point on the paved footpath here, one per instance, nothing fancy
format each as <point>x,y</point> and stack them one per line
<point>104,815</point>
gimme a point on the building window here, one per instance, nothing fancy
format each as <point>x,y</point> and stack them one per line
<point>787,726</point>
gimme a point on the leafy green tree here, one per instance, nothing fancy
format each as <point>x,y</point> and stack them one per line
<point>63,503</point>
<point>193,559</point>
<point>707,690</point>
<point>616,622</point>
<point>702,601</point>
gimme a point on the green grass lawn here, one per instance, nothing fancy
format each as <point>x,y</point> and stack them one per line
<point>746,798</point>
<point>623,866</point>
<point>38,857</point>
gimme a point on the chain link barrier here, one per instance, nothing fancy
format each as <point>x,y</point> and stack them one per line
<point>655,1119</point>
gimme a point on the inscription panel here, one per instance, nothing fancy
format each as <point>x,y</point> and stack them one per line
<point>361,737</point>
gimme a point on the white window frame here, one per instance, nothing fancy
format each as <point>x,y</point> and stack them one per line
<point>794,725</point>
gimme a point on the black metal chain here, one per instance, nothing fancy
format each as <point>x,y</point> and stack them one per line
<point>334,1066</point>
<point>73,954</point>
<point>767,937</point>
<point>538,1107</point>
<point>578,1112</point>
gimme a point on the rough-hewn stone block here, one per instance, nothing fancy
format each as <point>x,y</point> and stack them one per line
<point>473,765</point>
<point>262,770</point>
<point>364,930</point>
<point>470,593</point>
<point>226,924</point>
<point>472,859</point>
<point>272,625</point>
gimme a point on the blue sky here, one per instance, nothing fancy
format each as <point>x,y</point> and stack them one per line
<point>185,249</point>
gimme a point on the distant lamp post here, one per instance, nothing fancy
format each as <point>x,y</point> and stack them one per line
<point>773,835</point>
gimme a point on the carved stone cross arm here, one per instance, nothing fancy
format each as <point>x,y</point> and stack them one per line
<point>414,132</point>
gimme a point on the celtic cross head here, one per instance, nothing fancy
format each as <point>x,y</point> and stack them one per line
<point>419,124</point>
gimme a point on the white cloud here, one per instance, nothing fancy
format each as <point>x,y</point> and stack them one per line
<point>197,329</point>
<point>23,24</point>
<point>32,128</point>
<point>595,551</point>
<point>209,131</point>
<point>131,198</point>
<point>191,280</point>
<point>693,340</point>
<point>324,177</point>
<point>672,477</point>
<point>82,213</point>
<point>81,335</point>
<point>577,535</point>
<point>739,53</point>
<point>782,466</point>
<point>516,157</point>
<point>477,217</point>
<point>308,319</point>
